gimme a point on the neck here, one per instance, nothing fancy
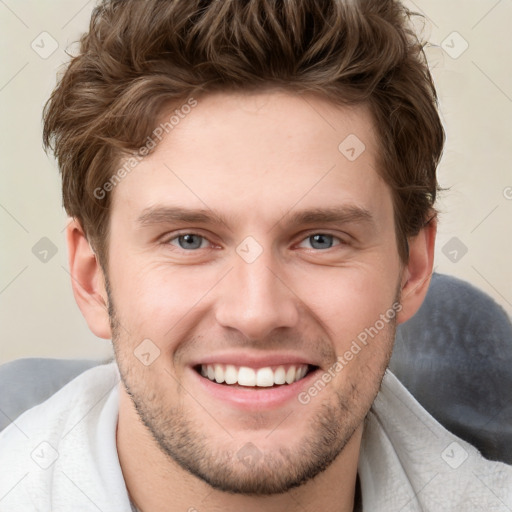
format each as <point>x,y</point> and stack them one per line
<point>157,483</point>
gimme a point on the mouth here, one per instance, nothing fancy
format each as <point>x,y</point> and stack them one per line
<point>230,375</point>
<point>253,382</point>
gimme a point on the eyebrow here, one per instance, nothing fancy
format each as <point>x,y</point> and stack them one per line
<point>332,215</point>
<point>166,214</point>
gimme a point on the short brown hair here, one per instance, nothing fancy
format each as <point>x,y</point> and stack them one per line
<point>140,56</point>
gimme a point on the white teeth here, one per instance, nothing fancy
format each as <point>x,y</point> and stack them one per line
<point>245,376</point>
<point>290,375</point>
<point>265,377</point>
<point>231,374</point>
<point>219,373</point>
<point>280,375</point>
<point>300,373</point>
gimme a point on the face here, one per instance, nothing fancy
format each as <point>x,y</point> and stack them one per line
<point>249,248</point>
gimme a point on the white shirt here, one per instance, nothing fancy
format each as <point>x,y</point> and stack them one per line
<point>61,456</point>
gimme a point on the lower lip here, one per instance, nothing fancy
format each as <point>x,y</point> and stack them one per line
<point>252,398</point>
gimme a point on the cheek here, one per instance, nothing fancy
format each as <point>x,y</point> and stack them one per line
<point>152,299</point>
<point>348,300</point>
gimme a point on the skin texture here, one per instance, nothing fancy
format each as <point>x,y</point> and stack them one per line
<point>257,159</point>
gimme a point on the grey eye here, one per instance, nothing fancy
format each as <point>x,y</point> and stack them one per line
<point>189,241</point>
<point>321,241</point>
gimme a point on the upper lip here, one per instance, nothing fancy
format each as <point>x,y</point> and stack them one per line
<point>255,360</point>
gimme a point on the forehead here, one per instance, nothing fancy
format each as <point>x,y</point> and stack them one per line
<point>259,155</point>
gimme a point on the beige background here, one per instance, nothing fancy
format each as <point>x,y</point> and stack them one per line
<point>38,315</point>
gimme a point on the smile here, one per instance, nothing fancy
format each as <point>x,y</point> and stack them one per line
<point>265,377</point>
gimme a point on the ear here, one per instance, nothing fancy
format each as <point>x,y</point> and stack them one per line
<point>418,271</point>
<point>87,281</point>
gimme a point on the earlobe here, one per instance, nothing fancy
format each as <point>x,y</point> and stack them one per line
<point>418,271</point>
<point>87,281</point>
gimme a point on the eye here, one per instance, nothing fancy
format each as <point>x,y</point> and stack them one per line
<point>322,241</point>
<point>188,241</point>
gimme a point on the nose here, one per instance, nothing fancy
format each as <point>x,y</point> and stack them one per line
<point>255,299</point>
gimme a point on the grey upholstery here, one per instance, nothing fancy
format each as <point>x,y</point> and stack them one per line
<point>30,381</point>
<point>454,356</point>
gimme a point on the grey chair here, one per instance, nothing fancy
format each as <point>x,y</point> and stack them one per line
<point>30,381</point>
<point>454,356</point>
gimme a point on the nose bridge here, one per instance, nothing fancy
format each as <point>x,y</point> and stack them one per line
<point>254,300</point>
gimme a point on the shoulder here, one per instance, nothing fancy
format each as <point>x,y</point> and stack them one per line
<point>407,457</point>
<point>47,435</point>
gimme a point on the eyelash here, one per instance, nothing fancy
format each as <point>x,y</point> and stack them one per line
<point>305,237</point>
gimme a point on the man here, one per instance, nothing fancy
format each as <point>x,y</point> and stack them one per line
<point>251,187</point>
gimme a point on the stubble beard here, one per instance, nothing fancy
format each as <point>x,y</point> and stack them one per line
<point>186,443</point>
